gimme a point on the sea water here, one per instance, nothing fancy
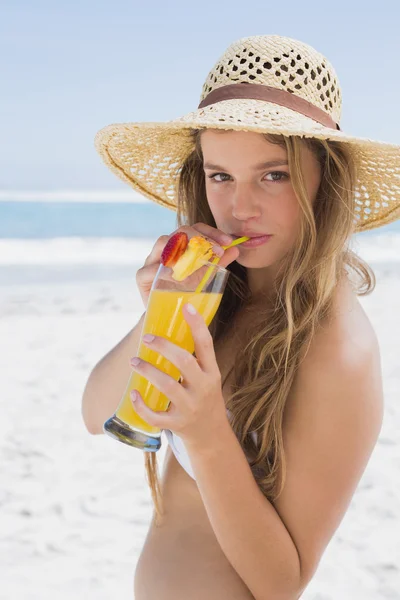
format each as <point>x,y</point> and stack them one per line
<point>59,237</point>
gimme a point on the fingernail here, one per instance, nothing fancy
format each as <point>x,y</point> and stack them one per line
<point>190,308</point>
<point>135,361</point>
<point>227,239</point>
<point>218,250</point>
<point>133,395</point>
<point>148,337</point>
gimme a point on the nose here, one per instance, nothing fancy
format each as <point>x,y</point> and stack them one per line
<point>244,204</point>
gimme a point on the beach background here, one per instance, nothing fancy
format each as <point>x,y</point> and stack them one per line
<point>75,508</point>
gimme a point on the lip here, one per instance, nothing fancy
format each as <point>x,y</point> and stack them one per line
<point>255,241</point>
<point>250,234</point>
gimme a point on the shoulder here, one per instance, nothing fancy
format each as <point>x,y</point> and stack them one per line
<point>346,346</point>
<point>331,423</point>
<point>341,370</point>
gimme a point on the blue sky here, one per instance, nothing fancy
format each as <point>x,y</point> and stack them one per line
<point>70,68</point>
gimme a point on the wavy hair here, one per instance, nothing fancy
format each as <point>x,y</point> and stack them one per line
<point>280,333</point>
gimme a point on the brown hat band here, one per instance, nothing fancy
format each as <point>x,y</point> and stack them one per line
<point>267,93</point>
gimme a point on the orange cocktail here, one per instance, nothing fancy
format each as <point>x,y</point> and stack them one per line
<point>164,317</point>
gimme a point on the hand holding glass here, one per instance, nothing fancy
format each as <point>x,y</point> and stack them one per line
<point>164,317</point>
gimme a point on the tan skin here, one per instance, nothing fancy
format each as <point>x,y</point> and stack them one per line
<point>182,558</point>
<point>242,197</point>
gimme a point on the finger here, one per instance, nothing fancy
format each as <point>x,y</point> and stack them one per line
<point>160,419</point>
<point>147,273</point>
<point>168,386</point>
<point>229,256</point>
<point>181,358</point>
<point>214,234</point>
<point>203,342</point>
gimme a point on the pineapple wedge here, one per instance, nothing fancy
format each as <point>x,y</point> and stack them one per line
<point>198,251</point>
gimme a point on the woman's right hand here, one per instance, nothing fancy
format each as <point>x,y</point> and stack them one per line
<point>146,274</point>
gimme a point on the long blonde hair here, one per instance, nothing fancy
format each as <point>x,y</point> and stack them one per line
<point>265,365</point>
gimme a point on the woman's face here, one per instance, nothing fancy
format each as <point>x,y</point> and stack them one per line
<point>245,195</point>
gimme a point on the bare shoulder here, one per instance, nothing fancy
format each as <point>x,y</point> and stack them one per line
<point>344,360</point>
<point>331,424</point>
<point>349,339</point>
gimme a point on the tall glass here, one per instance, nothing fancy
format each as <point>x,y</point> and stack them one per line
<point>164,318</point>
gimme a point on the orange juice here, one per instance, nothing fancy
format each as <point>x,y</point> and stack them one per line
<point>164,318</point>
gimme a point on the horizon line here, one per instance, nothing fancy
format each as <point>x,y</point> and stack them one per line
<point>73,195</point>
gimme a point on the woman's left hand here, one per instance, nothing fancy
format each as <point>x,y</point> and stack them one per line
<point>197,410</point>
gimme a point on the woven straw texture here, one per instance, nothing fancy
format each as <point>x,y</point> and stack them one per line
<point>148,156</point>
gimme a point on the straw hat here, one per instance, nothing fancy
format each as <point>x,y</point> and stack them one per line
<point>261,83</point>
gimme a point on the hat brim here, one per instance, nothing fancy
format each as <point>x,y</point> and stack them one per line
<point>148,156</point>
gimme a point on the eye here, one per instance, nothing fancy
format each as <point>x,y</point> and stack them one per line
<point>277,176</point>
<point>214,175</point>
<point>282,176</point>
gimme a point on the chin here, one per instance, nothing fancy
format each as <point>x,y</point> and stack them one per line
<point>254,262</point>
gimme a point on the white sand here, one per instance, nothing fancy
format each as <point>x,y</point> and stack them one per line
<point>75,508</point>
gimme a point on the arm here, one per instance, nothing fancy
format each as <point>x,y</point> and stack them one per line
<point>108,379</point>
<point>331,425</point>
<point>247,526</point>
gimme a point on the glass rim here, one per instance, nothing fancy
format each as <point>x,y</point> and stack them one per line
<point>210,264</point>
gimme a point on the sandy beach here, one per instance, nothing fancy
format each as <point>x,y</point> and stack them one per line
<point>75,508</point>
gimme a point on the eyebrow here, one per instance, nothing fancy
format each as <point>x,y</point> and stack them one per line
<point>264,165</point>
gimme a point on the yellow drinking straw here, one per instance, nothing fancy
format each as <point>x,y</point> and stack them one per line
<point>216,259</point>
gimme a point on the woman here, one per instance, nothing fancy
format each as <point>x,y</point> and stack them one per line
<point>279,410</point>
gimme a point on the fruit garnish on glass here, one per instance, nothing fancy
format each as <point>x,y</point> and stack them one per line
<point>185,256</point>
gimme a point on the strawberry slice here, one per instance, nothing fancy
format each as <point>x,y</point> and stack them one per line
<point>174,248</point>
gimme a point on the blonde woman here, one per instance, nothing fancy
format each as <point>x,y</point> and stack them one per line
<point>279,409</point>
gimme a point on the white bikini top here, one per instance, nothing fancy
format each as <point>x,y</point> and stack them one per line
<point>178,448</point>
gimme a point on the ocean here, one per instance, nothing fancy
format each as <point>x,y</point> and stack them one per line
<point>71,219</point>
<point>63,219</point>
<point>62,236</point>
